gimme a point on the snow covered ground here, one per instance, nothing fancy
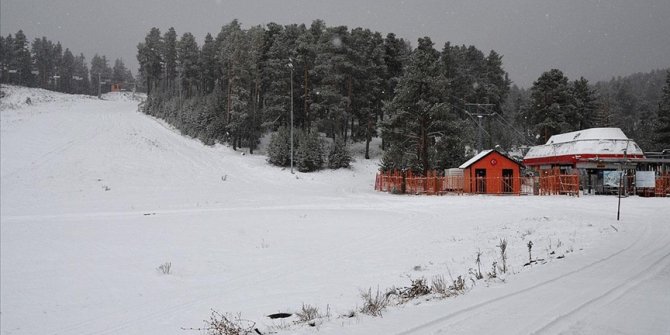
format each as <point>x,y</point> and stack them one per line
<point>95,196</point>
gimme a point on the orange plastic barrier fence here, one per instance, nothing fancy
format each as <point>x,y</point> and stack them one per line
<point>399,182</point>
<point>662,186</point>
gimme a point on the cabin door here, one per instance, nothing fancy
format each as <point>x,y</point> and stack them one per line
<point>480,175</point>
<point>508,180</point>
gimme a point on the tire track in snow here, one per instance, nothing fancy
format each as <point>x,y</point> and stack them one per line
<point>612,294</point>
<point>466,313</point>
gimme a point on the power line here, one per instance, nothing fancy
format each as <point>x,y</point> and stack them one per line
<point>480,116</point>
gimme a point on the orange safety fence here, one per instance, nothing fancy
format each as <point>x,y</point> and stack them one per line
<point>662,186</point>
<point>398,182</point>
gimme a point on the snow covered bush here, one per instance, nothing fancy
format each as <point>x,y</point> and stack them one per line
<point>309,154</point>
<point>279,148</point>
<point>338,155</point>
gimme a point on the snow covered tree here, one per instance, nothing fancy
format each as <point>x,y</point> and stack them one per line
<point>81,82</point>
<point>210,69</point>
<point>67,69</point>
<point>6,57</point>
<point>169,53</point>
<point>585,104</point>
<point>150,59</point>
<point>188,64</point>
<point>279,148</point>
<point>277,75</point>
<point>42,50</point>
<point>333,81</point>
<point>663,129</point>
<point>338,155</point>
<point>22,62</point>
<point>119,72</point>
<point>101,74</point>
<point>551,102</point>
<point>308,154</point>
<point>233,57</point>
<point>417,113</point>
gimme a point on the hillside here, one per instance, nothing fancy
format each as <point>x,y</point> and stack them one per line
<point>95,196</point>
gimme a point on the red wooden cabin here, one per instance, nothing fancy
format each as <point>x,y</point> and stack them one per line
<point>491,172</point>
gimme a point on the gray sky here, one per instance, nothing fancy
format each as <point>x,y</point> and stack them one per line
<point>590,38</point>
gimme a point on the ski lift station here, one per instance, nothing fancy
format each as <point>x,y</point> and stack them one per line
<point>602,157</point>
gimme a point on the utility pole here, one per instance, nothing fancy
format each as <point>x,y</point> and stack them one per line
<point>480,116</point>
<point>290,65</point>
<point>99,86</point>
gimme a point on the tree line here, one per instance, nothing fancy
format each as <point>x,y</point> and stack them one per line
<point>427,105</point>
<point>46,65</point>
<point>350,84</point>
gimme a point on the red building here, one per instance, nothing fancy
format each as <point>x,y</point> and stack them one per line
<point>491,172</point>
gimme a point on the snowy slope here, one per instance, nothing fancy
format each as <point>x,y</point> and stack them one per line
<point>95,196</point>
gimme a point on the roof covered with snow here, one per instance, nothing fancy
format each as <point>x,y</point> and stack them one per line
<point>475,158</point>
<point>589,134</point>
<point>594,141</point>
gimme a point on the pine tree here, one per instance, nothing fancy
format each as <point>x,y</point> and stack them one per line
<point>57,56</point>
<point>417,114</point>
<point>369,83</point>
<point>585,103</point>
<point>277,76</point>
<point>42,50</point>
<point>119,72</point>
<point>150,59</point>
<point>67,72</point>
<point>22,62</point>
<point>253,127</point>
<point>309,151</point>
<point>101,75</point>
<point>6,57</point>
<point>279,149</point>
<point>169,56</point>
<point>333,81</point>
<point>233,57</point>
<point>188,67</point>
<point>338,155</point>
<point>210,69</point>
<point>551,102</point>
<point>80,76</point>
<point>663,128</point>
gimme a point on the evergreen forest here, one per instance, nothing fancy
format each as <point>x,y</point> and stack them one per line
<point>429,107</point>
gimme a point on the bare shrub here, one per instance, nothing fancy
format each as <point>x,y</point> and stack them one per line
<point>458,286</point>
<point>503,254</point>
<point>374,304</point>
<point>226,324</point>
<point>416,289</point>
<point>308,313</point>
<point>439,286</point>
<point>494,271</point>
<point>479,265</point>
<point>165,268</point>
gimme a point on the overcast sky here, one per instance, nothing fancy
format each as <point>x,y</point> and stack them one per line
<point>590,38</point>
